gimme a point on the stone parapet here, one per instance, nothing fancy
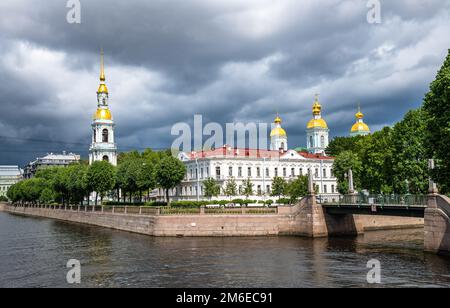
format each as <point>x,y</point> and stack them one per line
<point>437,224</point>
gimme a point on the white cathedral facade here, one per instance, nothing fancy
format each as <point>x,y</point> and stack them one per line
<point>103,146</point>
<point>262,166</point>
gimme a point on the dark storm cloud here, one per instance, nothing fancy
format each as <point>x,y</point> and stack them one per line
<point>227,60</point>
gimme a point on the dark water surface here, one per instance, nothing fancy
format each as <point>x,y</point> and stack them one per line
<point>34,253</point>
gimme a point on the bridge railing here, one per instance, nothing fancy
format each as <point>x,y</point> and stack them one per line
<point>392,200</point>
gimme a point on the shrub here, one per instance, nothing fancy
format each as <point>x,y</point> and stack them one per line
<point>3,199</point>
<point>284,201</point>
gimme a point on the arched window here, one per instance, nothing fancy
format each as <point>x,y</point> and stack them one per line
<point>95,135</point>
<point>282,145</point>
<point>106,158</point>
<point>311,143</point>
<point>322,141</point>
<point>105,135</point>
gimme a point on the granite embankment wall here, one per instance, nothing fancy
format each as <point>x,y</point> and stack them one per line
<point>305,219</point>
<point>437,225</point>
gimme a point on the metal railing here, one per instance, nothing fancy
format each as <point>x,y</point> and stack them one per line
<point>155,211</point>
<point>385,200</point>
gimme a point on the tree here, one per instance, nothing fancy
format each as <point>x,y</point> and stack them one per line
<point>343,144</point>
<point>376,158</point>
<point>60,184</point>
<point>248,188</point>
<point>342,164</point>
<point>230,188</point>
<point>32,189</point>
<point>279,187</point>
<point>436,106</point>
<point>211,188</point>
<point>409,162</point>
<point>297,188</point>
<point>100,178</point>
<point>47,196</point>
<point>77,185</point>
<point>146,179</point>
<point>169,173</point>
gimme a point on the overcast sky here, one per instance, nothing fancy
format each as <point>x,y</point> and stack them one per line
<point>228,60</point>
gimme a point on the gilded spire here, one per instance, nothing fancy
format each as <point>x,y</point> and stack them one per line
<point>102,88</point>
<point>102,66</point>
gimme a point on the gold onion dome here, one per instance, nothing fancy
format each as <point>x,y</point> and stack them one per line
<point>317,122</point>
<point>102,114</point>
<point>360,126</point>
<point>278,131</point>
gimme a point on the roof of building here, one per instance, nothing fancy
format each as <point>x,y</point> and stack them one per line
<point>10,171</point>
<point>249,153</point>
<point>62,156</point>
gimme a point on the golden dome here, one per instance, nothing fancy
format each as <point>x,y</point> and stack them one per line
<point>102,114</point>
<point>359,115</point>
<point>278,131</point>
<point>360,127</point>
<point>277,120</point>
<point>317,123</point>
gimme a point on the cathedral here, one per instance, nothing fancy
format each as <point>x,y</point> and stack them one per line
<point>103,147</point>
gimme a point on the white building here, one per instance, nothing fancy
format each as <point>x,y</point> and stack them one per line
<point>261,166</point>
<point>9,175</point>
<point>50,160</point>
<point>103,146</point>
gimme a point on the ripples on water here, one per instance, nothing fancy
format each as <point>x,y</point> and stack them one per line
<point>34,252</point>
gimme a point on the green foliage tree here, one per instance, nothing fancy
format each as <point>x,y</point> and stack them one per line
<point>343,144</point>
<point>146,178</point>
<point>297,188</point>
<point>76,182</point>
<point>230,188</point>
<point>211,188</point>
<point>437,142</point>
<point>169,173</point>
<point>100,178</point>
<point>247,188</point>
<point>60,184</point>
<point>342,164</point>
<point>376,158</point>
<point>279,187</point>
<point>47,196</point>
<point>409,159</point>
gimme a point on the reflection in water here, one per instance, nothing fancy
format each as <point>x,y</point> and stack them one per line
<point>34,252</point>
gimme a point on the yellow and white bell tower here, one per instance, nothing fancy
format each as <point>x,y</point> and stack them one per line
<point>317,130</point>
<point>278,136</point>
<point>103,146</point>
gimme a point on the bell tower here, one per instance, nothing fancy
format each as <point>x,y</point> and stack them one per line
<point>103,146</point>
